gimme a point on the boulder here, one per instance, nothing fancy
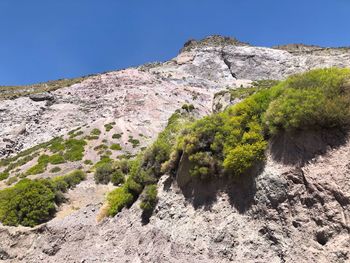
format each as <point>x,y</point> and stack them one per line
<point>45,96</point>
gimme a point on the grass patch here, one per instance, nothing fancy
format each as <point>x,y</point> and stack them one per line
<point>11,92</point>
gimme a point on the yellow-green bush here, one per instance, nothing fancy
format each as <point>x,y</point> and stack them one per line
<point>118,199</point>
<point>31,202</point>
<point>232,142</point>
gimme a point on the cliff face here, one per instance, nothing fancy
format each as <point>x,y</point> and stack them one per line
<point>146,96</point>
<point>294,210</point>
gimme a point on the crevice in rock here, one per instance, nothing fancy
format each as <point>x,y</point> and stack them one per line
<point>228,64</point>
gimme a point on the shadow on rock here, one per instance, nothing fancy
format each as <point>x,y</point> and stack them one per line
<point>299,147</point>
<point>203,193</point>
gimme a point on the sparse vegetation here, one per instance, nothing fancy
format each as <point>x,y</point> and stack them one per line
<point>109,126</point>
<point>100,147</point>
<point>70,150</point>
<point>11,92</point>
<point>146,168</point>
<point>4,176</point>
<point>134,142</point>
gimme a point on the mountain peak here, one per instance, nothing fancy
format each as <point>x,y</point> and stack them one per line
<point>213,40</point>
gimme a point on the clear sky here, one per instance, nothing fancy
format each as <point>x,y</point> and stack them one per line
<point>50,39</point>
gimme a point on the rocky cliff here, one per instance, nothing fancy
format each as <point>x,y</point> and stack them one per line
<point>292,211</point>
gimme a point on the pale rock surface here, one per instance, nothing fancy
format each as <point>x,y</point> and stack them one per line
<point>292,211</point>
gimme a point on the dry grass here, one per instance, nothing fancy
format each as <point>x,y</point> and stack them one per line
<point>12,92</point>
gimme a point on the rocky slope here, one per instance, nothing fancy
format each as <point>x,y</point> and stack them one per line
<point>295,210</point>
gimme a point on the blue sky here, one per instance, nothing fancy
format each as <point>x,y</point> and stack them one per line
<point>46,39</point>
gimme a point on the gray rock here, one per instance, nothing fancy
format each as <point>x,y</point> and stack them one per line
<point>45,96</point>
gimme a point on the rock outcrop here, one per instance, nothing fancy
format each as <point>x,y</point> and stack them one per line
<point>294,210</point>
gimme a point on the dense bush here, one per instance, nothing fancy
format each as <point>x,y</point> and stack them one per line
<point>29,203</point>
<point>118,199</point>
<point>313,100</point>
<point>232,142</point>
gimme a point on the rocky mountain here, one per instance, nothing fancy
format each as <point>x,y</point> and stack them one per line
<point>292,211</point>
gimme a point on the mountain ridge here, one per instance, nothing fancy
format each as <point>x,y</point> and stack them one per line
<point>290,211</point>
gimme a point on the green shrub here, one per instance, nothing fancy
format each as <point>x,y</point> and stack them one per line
<point>188,107</point>
<point>27,203</point>
<point>56,159</point>
<point>88,162</point>
<point>149,198</point>
<point>109,126</point>
<point>68,181</point>
<point>116,136</point>
<point>91,137</point>
<point>118,199</point>
<point>314,100</point>
<point>116,147</point>
<point>134,142</point>
<point>100,147</point>
<point>145,169</point>
<point>76,134</point>
<point>55,169</point>
<point>117,177</point>
<point>74,150</point>
<point>103,173</point>
<point>232,142</point>
<point>37,169</point>
<point>95,132</point>
<point>4,176</point>
<point>57,145</point>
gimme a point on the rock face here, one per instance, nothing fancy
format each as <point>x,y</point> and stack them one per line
<point>146,96</point>
<point>294,210</point>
